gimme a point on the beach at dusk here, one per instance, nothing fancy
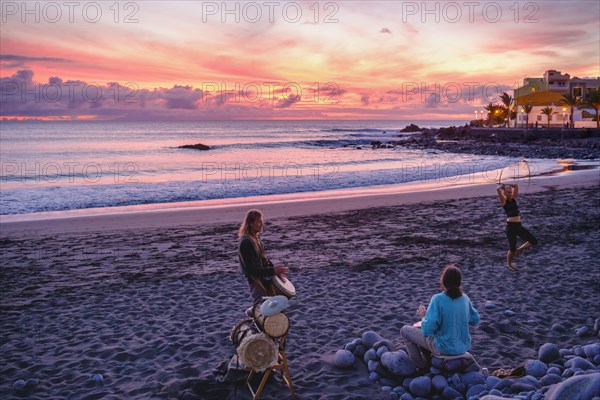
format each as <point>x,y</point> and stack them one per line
<point>384,144</point>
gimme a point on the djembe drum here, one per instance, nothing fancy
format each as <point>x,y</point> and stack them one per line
<point>275,325</point>
<point>255,349</point>
<point>282,286</point>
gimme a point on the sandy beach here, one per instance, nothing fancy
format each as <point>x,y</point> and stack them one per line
<point>148,300</point>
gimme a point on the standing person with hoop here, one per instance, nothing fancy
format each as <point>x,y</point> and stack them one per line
<point>508,193</point>
<point>257,268</point>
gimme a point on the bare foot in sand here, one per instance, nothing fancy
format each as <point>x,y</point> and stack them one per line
<point>509,258</point>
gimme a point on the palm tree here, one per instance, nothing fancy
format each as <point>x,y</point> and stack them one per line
<point>508,101</point>
<point>570,101</point>
<point>527,108</point>
<point>495,114</point>
<point>592,99</point>
<point>549,111</point>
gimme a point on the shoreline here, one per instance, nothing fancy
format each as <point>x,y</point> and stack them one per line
<point>291,205</point>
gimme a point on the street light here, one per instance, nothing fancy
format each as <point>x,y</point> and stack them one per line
<point>564,115</point>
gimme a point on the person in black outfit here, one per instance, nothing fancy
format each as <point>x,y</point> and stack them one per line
<point>507,193</point>
<point>257,268</point>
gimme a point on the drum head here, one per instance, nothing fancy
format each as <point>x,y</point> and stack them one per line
<point>258,352</point>
<point>276,325</point>
<point>285,285</point>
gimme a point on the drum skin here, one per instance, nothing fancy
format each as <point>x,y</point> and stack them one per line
<point>275,325</point>
<point>282,286</point>
<point>255,349</point>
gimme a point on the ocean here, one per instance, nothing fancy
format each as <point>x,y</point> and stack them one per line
<point>58,166</point>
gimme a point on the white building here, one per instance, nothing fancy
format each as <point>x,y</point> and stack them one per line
<point>548,91</point>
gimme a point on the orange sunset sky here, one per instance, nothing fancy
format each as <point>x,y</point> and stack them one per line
<point>284,60</point>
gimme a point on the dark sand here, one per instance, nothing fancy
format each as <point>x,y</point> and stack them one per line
<point>151,309</point>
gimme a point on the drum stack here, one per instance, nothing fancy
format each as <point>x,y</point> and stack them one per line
<point>260,341</point>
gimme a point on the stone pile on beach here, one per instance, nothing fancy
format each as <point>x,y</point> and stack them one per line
<point>556,374</point>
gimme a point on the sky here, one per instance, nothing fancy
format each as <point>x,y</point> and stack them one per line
<point>200,60</point>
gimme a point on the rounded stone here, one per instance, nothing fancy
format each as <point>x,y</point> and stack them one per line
<point>566,352</point>
<point>558,328</point>
<point>371,354</point>
<point>489,305</point>
<point>450,393</point>
<point>535,368</point>
<point>381,350</point>
<point>591,350</point>
<point>550,379</point>
<point>475,390</point>
<point>580,387</point>
<point>548,352</point>
<point>19,384</point>
<point>581,363</point>
<point>372,365</point>
<point>473,378</point>
<point>439,383</point>
<point>398,363</point>
<point>420,386</point>
<point>518,387</point>
<point>31,382</point>
<point>553,370</point>
<point>583,331</point>
<point>343,359</point>
<point>369,338</point>
<point>399,389</point>
<point>350,346</point>
<point>567,373</point>
<point>382,343</point>
<point>491,381</point>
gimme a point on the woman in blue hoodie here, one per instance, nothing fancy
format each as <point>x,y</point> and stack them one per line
<point>445,325</point>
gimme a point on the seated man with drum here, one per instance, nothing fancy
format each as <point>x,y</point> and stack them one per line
<point>257,268</point>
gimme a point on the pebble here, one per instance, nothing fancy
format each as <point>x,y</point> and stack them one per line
<point>548,352</point>
<point>343,359</point>
<point>369,338</point>
<point>555,374</point>
<point>420,386</point>
<point>489,305</point>
<point>535,368</point>
<point>398,363</point>
<point>583,331</point>
<point>19,384</point>
<point>31,382</point>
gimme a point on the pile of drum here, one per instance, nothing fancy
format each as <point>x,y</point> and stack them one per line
<point>257,339</point>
